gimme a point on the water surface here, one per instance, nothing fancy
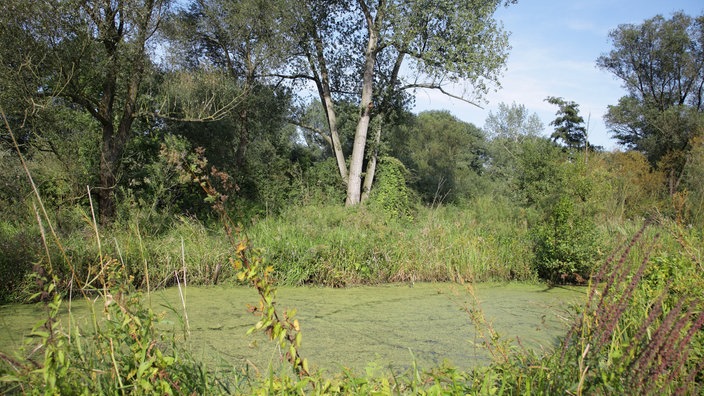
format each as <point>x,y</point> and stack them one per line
<point>389,325</point>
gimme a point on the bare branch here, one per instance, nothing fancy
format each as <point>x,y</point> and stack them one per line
<point>441,89</point>
<point>323,134</point>
<point>289,77</point>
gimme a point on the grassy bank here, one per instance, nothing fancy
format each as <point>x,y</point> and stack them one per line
<point>337,246</point>
<point>489,240</point>
<point>311,245</point>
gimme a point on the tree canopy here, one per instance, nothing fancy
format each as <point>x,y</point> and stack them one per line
<point>661,65</point>
<point>569,125</point>
<point>512,122</point>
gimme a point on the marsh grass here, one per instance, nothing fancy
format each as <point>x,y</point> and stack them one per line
<point>323,245</point>
<point>337,246</point>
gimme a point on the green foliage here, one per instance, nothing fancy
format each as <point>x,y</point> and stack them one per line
<point>322,185</point>
<point>337,247</point>
<point>659,115</point>
<point>20,250</point>
<point>13,187</point>
<point>390,193</point>
<point>152,194</point>
<point>561,195</point>
<point>284,329</point>
<point>693,175</point>
<point>566,247</point>
<point>444,155</point>
<point>569,125</point>
<point>512,123</point>
<point>640,332</point>
<point>539,173</point>
<point>636,190</point>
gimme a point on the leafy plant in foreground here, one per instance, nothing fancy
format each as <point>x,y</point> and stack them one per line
<point>283,328</point>
<point>631,336</point>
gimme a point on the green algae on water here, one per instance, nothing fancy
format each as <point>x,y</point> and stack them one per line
<point>387,326</point>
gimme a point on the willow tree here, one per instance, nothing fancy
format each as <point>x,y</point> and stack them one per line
<point>246,40</point>
<point>424,44</point>
<point>661,65</point>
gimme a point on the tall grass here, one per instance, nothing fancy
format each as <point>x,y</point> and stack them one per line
<point>324,245</point>
<point>489,240</point>
<point>338,246</point>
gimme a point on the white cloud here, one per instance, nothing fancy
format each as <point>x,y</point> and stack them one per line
<point>555,47</point>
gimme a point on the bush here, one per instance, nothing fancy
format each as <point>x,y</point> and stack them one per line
<point>20,249</point>
<point>390,193</point>
<point>565,245</point>
<point>322,184</point>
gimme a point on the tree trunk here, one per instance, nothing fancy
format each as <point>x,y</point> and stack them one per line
<point>354,183</point>
<point>335,137</point>
<point>386,105</point>
<point>322,80</point>
<point>108,159</point>
<point>114,141</point>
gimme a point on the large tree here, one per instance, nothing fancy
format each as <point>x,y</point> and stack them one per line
<point>661,65</point>
<point>357,50</point>
<point>88,54</point>
<point>445,155</point>
<point>512,131</point>
<point>353,52</point>
<point>245,40</point>
<point>512,122</point>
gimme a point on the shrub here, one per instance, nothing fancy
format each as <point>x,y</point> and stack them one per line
<point>390,192</point>
<point>565,244</point>
<point>20,248</point>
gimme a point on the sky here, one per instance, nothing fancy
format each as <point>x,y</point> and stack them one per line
<point>555,45</point>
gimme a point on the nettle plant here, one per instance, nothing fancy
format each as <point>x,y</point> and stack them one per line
<point>391,194</point>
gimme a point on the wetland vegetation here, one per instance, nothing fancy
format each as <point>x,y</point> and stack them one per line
<point>193,223</point>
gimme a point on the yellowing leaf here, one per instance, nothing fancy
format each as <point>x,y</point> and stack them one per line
<point>241,247</point>
<point>296,325</point>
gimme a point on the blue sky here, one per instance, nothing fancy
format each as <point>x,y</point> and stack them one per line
<point>555,45</point>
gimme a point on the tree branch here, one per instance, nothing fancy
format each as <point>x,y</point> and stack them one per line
<point>289,76</point>
<point>310,128</point>
<point>441,89</point>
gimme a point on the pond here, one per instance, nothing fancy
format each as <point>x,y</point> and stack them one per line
<point>387,326</point>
